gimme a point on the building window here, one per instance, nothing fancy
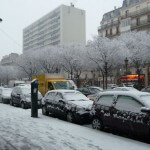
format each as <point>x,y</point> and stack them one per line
<point>127,13</point>
<point>148,18</point>
<point>137,8</point>
<point>106,32</point>
<point>137,21</point>
<point>148,5</point>
<point>117,30</point>
<point>110,31</point>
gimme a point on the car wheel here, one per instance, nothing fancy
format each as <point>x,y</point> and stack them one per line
<point>70,117</point>
<point>44,110</point>
<point>97,124</point>
<point>11,102</point>
<point>23,105</point>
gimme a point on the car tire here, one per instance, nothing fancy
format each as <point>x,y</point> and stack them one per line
<point>70,117</point>
<point>11,102</point>
<point>97,124</point>
<point>44,110</point>
<point>23,105</point>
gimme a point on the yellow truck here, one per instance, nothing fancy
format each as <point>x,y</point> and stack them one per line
<point>48,82</point>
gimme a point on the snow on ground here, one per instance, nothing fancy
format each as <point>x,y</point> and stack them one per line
<point>18,131</point>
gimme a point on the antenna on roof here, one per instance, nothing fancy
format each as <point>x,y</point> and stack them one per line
<point>73,2</point>
<point>72,5</point>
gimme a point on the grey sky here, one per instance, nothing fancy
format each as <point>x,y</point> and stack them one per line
<point>17,14</point>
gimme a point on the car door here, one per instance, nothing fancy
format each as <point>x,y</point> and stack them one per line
<point>50,101</point>
<point>0,95</point>
<point>60,104</point>
<point>127,107</point>
<point>18,96</point>
<point>14,95</point>
<point>103,108</point>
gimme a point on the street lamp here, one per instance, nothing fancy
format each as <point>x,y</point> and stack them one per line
<point>126,65</point>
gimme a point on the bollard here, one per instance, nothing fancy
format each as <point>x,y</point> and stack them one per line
<point>34,98</point>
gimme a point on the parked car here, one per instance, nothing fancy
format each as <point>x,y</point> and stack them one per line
<point>111,86</point>
<point>146,89</point>
<point>21,96</point>
<point>5,95</point>
<point>125,111</point>
<point>127,84</point>
<point>71,105</point>
<point>124,89</point>
<point>90,90</point>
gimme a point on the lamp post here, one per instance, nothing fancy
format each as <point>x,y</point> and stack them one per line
<point>126,65</point>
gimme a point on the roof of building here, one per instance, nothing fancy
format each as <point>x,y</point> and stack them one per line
<point>127,3</point>
<point>112,14</point>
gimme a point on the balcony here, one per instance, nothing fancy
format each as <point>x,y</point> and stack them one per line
<point>137,13</point>
<point>113,23</point>
<point>142,25</point>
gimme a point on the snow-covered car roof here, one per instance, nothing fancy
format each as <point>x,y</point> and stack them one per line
<point>65,91</point>
<point>99,88</point>
<point>124,89</point>
<point>129,93</point>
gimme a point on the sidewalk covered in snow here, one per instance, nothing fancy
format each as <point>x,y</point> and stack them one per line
<point>18,131</point>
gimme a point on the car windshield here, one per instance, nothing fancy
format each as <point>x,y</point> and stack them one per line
<point>146,100</point>
<point>26,91</point>
<point>62,85</point>
<point>75,96</point>
<point>7,91</point>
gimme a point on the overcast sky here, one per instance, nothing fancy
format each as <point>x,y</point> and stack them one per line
<point>17,14</point>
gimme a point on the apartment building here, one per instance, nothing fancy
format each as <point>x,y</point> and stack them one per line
<point>133,15</point>
<point>63,25</point>
<point>9,60</point>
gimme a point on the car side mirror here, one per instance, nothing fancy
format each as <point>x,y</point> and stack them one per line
<point>145,110</point>
<point>61,101</point>
<point>18,95</point>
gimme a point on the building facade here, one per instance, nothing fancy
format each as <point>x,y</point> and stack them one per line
<point>65,24</point>
<point>133,15</point>
<point>9,60</point>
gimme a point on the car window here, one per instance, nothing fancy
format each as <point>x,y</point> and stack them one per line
<point>94,90</point>
<point>85,90</point>
<point>50,86</point>
<point>128,103</point>
<point>59,96</point>
<point>50,96</point>
<point>0,91</point>
<point>148,89</point>
<point>105,100</point>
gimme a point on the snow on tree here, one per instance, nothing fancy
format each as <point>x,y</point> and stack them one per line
<point>72,59</point>
<point>104,53</point>
<point>28,64</point>
<point>48,60</point>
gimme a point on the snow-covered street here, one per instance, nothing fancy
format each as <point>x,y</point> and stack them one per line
<point>18,131</point>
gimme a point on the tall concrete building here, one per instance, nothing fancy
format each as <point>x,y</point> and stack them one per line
<point>64,25</point>
<point>133,15</point>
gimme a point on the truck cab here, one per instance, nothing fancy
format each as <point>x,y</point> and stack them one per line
<point>47,82</point>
